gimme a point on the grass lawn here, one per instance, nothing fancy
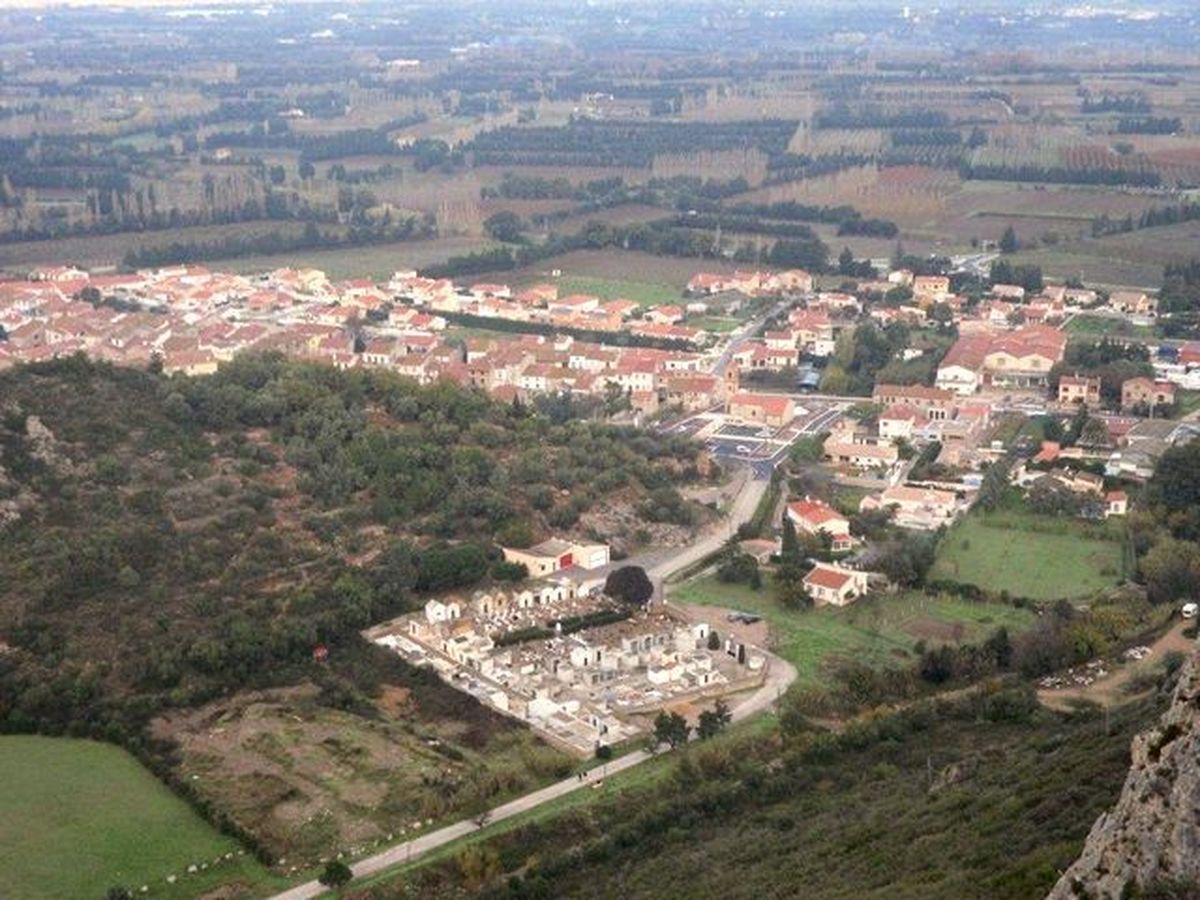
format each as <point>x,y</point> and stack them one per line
<point>644,292</point>
<point>1101,326</point>
<point>716,324</point>
<point>989,552</point>
<point>880,631</point>
<point>78,817</point>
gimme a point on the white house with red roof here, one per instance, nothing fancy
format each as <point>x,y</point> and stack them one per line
<point>815,517</point>
<point>831,585</point>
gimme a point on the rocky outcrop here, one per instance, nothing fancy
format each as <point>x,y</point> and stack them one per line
<point>1152,836</point>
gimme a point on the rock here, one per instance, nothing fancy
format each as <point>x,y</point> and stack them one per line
<point>1152,835</point>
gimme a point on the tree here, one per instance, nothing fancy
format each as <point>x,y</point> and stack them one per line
<point>336,874</point>
<point>1171,569</point>
<point>1175,489</point>
<point>630,585</point>
<point>789,548</point>
<point>118,892</point>
<point>713,721</point>
<point>790,590</point>
<point>714,640</point>
<point>307,170</point>
<point>1008,241</point>
<point>504,226</point>
<point>671,729</point>
<point>994,486</point>
<point>846,262</point>
<point>277,175</point>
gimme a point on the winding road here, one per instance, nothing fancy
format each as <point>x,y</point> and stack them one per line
<point>780,675</point>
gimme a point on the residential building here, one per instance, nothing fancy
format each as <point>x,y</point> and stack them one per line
<point>915,507</point>
<point>1079,389</point>
<point>816,517</point>
<point>831,585</point>
<point>1146,392</point>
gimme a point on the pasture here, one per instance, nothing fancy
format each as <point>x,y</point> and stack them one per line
<point>880,631</point>
<point>1029,556</point>
<point>78,817</point>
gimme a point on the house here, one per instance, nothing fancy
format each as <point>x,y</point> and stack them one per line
<point>1023,358</point>
<point>794,281</point>
<point>1079,389</point>
<point>555,554</point>
<point>936,403</point>
<point>831,585</point>
<point>1116,503</point>
<point>930,288</point>
<point>816,517</point>
<point>1189,354</point>
<point>664,315</point>
<point>844,448</point>
<point>897,423</point>
<point>960,369</point>
<point>768,409</point>
<point>1146,392</point>
<point>915,507</point>
<point>1019,360</point>
<point>1008,291</point>
<point>1134,303</point>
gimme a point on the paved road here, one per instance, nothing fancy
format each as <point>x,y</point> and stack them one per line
<point>780,674</point>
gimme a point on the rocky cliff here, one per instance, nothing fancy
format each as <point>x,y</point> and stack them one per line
<point>1151,838</point>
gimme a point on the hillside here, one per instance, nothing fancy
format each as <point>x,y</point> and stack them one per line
<point>979,796</point>
<point>1148,841</point>
<point>169,546</point>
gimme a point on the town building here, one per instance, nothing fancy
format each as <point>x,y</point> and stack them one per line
<point>831,585</point>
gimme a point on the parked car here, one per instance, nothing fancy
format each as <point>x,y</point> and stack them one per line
<point>1189,610</point>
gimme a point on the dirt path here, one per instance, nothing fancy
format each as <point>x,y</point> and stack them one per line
<point>1107,691</point>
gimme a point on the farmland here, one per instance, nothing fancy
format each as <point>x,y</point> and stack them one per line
<point>880,631</point>
<point>78,817</point>
<point>1028,556</point>
<point>370,261</point>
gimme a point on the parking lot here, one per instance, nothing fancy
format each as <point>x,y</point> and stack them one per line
<point>759,446</point>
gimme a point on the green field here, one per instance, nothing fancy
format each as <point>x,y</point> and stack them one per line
<point>880,631</point>
<point>78,817</point>
<point>644,292</point>
<point>716,324</point>
<point>1102,326</point>
<point>1027,563</point>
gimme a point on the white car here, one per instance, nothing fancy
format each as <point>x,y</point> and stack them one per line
<point>1189,610</point>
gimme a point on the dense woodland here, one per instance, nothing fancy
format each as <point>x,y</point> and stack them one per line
<point>225,526</point>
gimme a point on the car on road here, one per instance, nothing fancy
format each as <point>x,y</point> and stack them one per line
<point>743,449</point>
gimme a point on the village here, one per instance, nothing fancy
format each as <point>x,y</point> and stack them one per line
<point>555,651</point>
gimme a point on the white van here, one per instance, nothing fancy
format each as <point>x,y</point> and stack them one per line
<point>1189,610</point>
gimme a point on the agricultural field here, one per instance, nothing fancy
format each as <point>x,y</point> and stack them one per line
<point>1011,552</point>
<point>376,261</point>
<point>880,631</point>
<point>106,251</point>
<point>78,817</point>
